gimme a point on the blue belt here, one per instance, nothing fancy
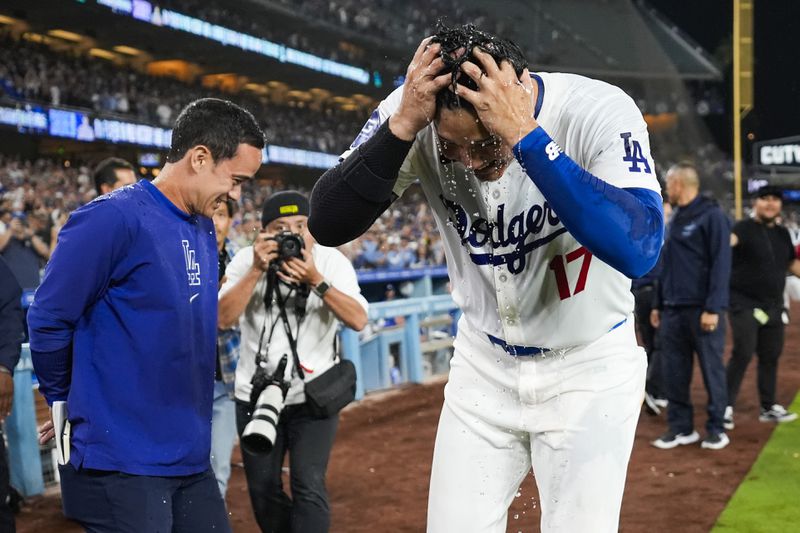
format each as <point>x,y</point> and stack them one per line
<point>517,351</point>
<point>513,349</point>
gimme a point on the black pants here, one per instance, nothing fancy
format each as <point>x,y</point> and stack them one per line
<point>649,335</point>
<point>681,336</point>
<point>6,515</point>
<point>309,442</point>
<point>106,502</point>
<point>766,341</point>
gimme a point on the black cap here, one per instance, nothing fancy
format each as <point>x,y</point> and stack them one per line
<point>283,204</point>
<point>770,190</point>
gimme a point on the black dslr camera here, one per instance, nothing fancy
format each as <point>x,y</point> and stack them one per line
<point>289,245</point>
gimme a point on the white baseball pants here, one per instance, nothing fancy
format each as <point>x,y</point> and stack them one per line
<point>570,415</point>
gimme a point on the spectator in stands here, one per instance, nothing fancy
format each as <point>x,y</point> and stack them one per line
<point>398,256</point>
<point>24,249</point>
<point>690,310</point>
<point>371,255</point>
<point>336,298</point>
<point>762,254</point>
<point>223,421</point>
<point>123,329</point>
<point>11,335</point>
<point>111,174</point>
<point>108,88</point>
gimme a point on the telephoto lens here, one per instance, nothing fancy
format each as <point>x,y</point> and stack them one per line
<point>259,434</point>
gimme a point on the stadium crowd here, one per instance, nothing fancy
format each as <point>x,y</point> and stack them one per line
<point>42,193</point>
<point>33,72</point>
<point>403,23</point>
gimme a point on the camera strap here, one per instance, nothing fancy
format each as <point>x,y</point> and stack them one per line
<point>292,341</point>
<point>268,292</point>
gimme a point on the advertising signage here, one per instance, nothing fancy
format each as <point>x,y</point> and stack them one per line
<point>80,126</point>
<point>778,154</point>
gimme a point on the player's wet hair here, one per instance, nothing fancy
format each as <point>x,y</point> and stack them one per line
<point>468,37</point>
<point>219,125</point>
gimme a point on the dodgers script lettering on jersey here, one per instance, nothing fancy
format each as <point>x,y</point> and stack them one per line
<point>480,233</point>
<point>515,270</point>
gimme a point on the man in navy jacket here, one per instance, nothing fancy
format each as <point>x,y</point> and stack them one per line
<point>124,326</point>
<point>693,297</point>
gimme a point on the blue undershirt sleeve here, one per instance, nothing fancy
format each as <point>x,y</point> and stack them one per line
<point>622,227</point>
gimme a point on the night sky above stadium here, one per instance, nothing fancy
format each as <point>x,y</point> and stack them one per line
<point>777,79</point>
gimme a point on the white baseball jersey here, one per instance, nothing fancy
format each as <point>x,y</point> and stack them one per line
<point>515,271</point>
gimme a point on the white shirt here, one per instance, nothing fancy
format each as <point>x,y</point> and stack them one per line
<point>317,331</point>
<point>515,271</point>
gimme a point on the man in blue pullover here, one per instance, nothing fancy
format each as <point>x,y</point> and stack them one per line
<point>693,297</point>
<point>123,328</point>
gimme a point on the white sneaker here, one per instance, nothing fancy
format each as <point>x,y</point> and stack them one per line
<point>670,440</point>
<point>727,419</point>
<point>777,414</point>
<point>715,442</point>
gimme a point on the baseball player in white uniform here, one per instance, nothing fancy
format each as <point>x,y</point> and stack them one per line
<point>546,197</point>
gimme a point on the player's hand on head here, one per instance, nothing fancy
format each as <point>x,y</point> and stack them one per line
<point>503,101</point>
<point>423,81</point>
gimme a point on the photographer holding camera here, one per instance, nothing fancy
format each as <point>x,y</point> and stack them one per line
<point>24,249</point>
<point>287,344</point>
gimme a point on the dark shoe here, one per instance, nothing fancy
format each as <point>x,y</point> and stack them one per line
<point>670,440</point>
<point>715,442</point>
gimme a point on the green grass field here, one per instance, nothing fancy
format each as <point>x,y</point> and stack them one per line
<point>768,500</point>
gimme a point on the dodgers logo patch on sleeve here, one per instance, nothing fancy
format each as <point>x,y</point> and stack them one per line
<point>634,154</point>
<point>368,130</point>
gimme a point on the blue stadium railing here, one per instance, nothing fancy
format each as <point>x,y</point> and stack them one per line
<point>20,428</point>
<point>371,356</point>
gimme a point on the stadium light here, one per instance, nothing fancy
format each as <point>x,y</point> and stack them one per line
<point>104,54</point>
<point>127,50</point>
<point>65,35</point>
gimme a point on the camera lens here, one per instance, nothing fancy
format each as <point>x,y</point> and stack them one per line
<point>290,247</point>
